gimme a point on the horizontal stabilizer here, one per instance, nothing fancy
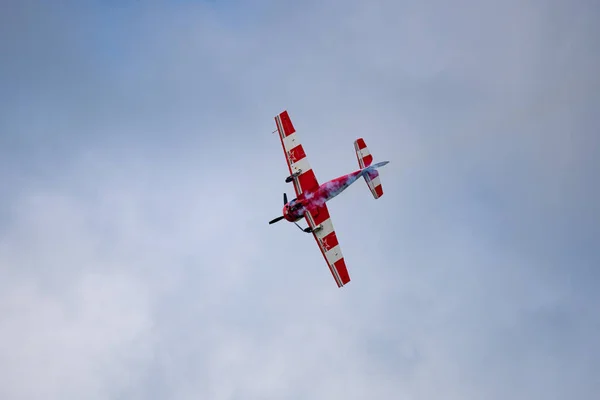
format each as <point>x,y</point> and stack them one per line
<point>362,153</point>
<point>371,176</point>
<point>374,183</point>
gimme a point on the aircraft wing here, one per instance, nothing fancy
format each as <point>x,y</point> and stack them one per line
<point>295,156</point>
<point>328,243</point>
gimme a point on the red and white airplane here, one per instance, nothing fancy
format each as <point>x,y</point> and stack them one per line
<point>311,197</point>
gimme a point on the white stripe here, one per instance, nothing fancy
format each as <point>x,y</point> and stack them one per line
<point>364,152</point>
<point>334,255</point>
<point>302,164</point>
<point>376,181</point>
<point>326,230</point>
<point>289,142</point>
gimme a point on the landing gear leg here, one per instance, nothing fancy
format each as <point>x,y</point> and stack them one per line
<point>307,230</point>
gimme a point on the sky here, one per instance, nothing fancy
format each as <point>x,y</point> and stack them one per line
<point>138,172</point>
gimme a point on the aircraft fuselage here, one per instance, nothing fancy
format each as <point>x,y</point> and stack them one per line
<point>295,209</point>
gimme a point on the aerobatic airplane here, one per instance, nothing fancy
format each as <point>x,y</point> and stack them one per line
<point>311,197</point>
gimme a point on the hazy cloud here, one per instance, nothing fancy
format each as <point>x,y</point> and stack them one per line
<point>139,172</point>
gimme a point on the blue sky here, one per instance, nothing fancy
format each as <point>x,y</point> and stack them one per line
<point>139,173</point>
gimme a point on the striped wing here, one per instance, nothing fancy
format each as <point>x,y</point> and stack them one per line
<point>328,243</point>
<point>295,155</point>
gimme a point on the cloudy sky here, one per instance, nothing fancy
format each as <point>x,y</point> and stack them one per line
<point>138,173</point>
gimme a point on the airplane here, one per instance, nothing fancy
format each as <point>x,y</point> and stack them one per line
<point>311,197</point>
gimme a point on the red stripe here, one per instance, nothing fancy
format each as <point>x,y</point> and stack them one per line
<point>330,241</point>
<point>367,160</point>
<point>342,271</point>
<point>297,153</point>
<point>379,190</point>
<point>308,181</point>
<point>286,123</point>
<point>320,215</point>
<point>361,143</point>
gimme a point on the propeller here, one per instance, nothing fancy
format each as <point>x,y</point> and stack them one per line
<point>276,220</point>
<point>282,217</point>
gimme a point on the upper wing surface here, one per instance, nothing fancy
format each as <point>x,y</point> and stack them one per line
<point>320,220</point>
<point>295,155</point>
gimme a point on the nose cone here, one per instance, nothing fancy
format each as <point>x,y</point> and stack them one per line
<point>286,213</point>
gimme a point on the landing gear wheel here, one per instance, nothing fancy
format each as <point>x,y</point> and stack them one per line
<point>291,177</point>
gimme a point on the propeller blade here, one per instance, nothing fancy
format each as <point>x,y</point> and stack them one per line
<point>284,199</point>
<point>276,220</point>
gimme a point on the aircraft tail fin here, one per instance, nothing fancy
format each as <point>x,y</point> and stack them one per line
<point>370,175</point>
